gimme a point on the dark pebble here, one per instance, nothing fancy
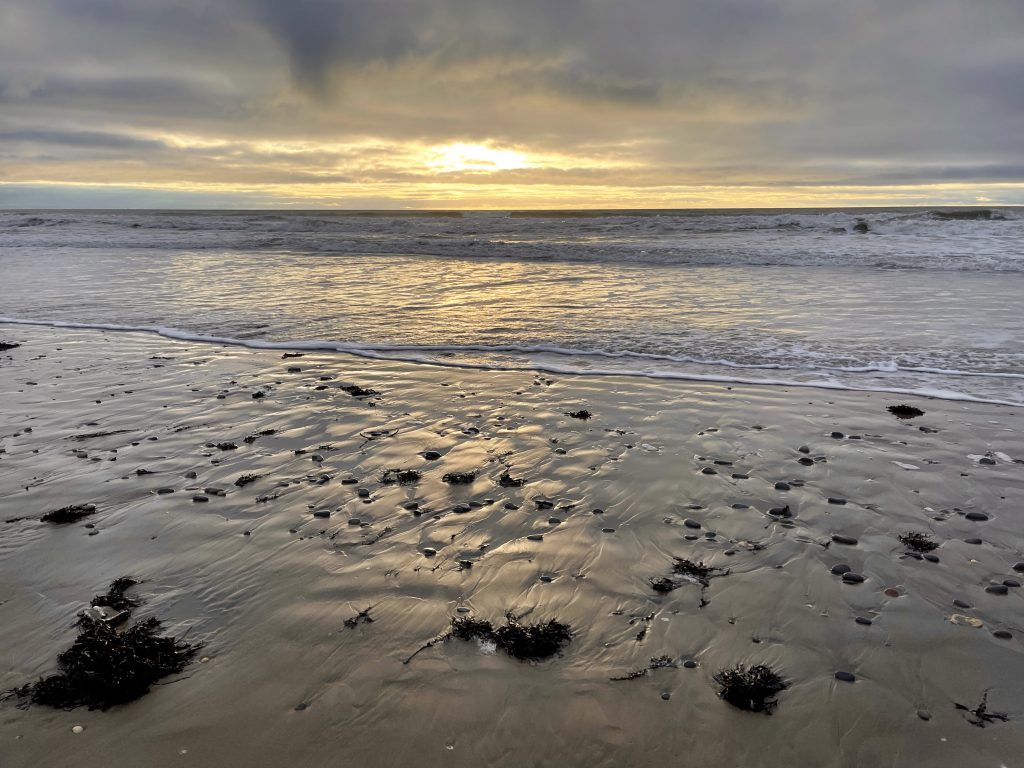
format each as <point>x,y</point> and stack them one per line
<point>864,621</point>
<point>972,541</point>
<point>354,521</point>
<point>322,513</point>
<point>709,471</point>
<point>431,455</point>
<point>807,461</point>
<point>511,506</point>
<point>976,516</point>
<point>460,509</point>
<point>846,677</point>
<point>852,578</point>
<point>836,500</point>
<point>429,551</point>
<point>1002,634</point>
<point>597,512</point>
<point>740,476</point>
<point>1019,567</point>
<point>804,449</point>
<point>931,558</point>
<point>781,486</point>
<point>554,521</point>
<point>411,505</point>
<point>840,539</point>
<point>199,499</point>
<point>608,530</point>
<point>1011,582</point>
<point>547,579</point>
<point>924,714</point>
<point>997,589</point>
<point>349,481</point>
<point>837,435</point>
<point>962,604</point>
<point>535,537</point>
<point>840,568</point>
<point>363,493</point>
<point>690,523</point>
<point>163,491</point>
<point>690,664</point>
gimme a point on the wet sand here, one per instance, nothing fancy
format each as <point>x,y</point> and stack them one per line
<point>676,470</point>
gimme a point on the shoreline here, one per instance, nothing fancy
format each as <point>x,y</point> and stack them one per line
<point>267,586</point>
<point>382,352</point>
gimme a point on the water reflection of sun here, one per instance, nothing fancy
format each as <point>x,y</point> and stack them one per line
<point>475,158</point>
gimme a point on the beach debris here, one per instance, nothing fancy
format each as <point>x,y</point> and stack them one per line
<point>6,345</point>
<point>507,481</point>
<point>980,716</point>
<point>581,414</point>
<point>363,617</point>
<point>244,480</point>
<point>91,435</point>
<point>356,391</point>
<point>400,476</point>
<point>526,642</point>
<point>696,572</point>
<point>106,666</point>
<point>250,439</point>
<point>917,541</point>
<point>753,689</point>
<point>904,411</point>
<point>69,514</point>
<point>965,621</point>
<point>521,641</point>
<point>658,662</point>
<point>459,478</point>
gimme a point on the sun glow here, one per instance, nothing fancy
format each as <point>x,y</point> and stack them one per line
<point>475,158</point>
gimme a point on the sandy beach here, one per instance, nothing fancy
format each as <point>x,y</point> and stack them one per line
<point>310,585</point>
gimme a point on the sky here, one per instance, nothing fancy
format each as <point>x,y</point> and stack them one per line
<point>510,103</point>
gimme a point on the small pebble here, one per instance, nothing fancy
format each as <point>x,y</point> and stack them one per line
<point>962,604</point>
<point>709,471</point>
<point>77,729</point>
<point>931,558</point>
<point>924,714</point>
<point>429,551</point>
<point>354,521</point>
<point>690,523</point>
<point>836,500</point>
<point>840,539</point>
<point>608,530</point>
<point>690,664</point>
<point>852,578</point>
<point>837,435</point>
<point>846,677</point>
<point>972,541</point>
<point>1011,582</point>
<point>1002,634</point>
<point>976,516</point>
<point>1019,567</point>
<point>781,486</point>
<point>535,537</point>
<point>666,696</point>
<point>864,621</point>
<point>322,513</point>
<point>997,589</point>
<point>200,499</point>
<point>840,568</point>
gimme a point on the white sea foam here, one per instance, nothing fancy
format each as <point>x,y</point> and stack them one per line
<point>385,352</point>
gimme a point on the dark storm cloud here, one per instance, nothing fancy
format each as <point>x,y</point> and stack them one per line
<point>672,91</point>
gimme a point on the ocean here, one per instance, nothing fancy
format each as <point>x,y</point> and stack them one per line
<point>910,301</point>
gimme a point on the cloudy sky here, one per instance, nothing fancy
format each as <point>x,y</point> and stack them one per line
<point>510,103</point>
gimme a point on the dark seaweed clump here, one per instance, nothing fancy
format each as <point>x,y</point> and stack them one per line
<point>521,641</point>
<point>697,571</point>
<point>250,439</point>
<point>115,596</point>
<point>106,666</point>
<point>401,476</point>
<point>459,478</point>
<point>917,541</point>
<point>582,414</point>
<point>69,514</point>
<point>752,689</point>
<point>227,446</point>
<point>357,391</point>
<point>6,345</point>
<point>905,411</point>
<point>244,480</point>
<point>507,481</point>
<point>980,716</point>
